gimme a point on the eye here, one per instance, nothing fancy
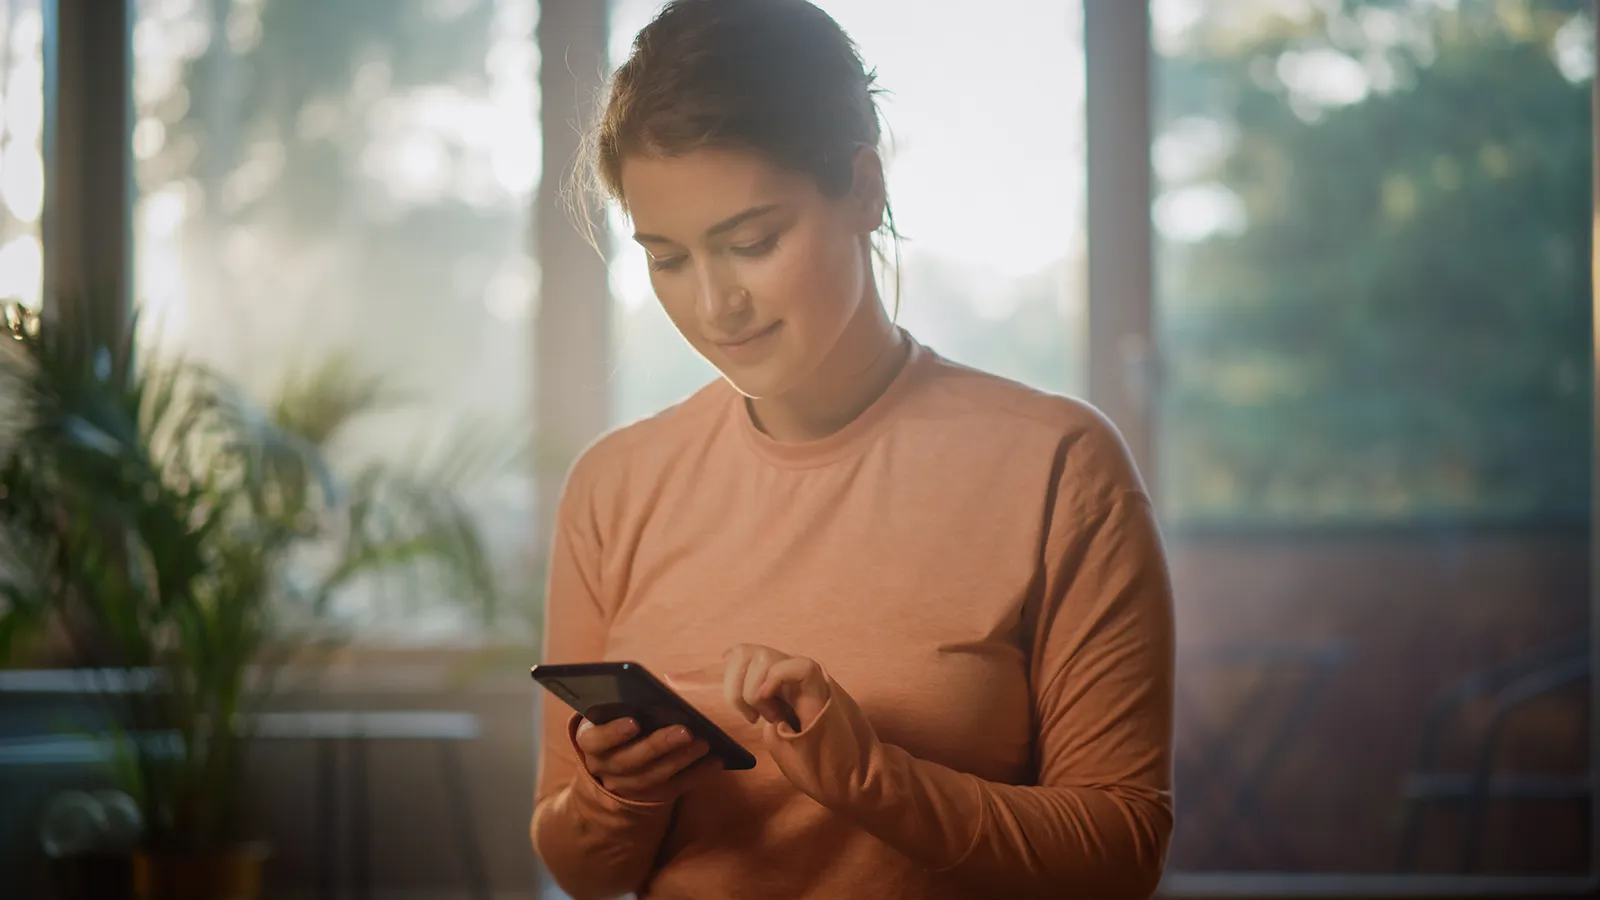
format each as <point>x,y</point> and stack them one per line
<point>666,264</point>
<point>759,248</point>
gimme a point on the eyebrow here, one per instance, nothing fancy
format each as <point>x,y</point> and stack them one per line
<point>725,225</point>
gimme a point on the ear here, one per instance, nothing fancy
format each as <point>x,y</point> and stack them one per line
<point>869,197</point>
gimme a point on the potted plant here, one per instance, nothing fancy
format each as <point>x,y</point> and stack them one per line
<point>165,527</point>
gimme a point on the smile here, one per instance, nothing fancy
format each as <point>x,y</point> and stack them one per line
<point>749,338</point>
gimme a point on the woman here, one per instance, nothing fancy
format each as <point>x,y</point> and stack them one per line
<point>953,582</point>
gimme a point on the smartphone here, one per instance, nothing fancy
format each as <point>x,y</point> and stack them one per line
<point>604,691</point>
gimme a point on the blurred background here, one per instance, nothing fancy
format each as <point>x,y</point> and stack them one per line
<point>1327,263</point>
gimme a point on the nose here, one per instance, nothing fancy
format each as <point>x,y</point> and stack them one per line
<point>723,304</point>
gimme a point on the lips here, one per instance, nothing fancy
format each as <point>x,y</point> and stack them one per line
<point>748,337</point>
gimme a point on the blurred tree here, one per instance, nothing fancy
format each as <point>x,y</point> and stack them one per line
<point>350,177</point>
<point>343,174</point>
<point>1375,284</point>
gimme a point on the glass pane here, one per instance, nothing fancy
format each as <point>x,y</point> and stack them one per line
<point>21,163</point>
<point>1374,299</point>
<point>349,178</point>
<point>985,172</point>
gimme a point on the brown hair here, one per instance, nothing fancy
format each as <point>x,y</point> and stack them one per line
<point>778,77</point>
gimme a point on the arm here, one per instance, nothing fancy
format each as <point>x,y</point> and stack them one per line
<point>594,843</point>
<point>1099,820</point>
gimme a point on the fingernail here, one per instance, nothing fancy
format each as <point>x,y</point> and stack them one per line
<point>680,735</point>
<point>629,726</point>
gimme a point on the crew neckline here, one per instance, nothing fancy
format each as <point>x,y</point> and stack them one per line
<point>847,440</point>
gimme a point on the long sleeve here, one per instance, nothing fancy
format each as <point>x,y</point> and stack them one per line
<point>594,843</point>
<point>1099,819</point>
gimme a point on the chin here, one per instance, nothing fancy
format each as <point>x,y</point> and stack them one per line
<point>756,384</point>
<point>771,377</point>
<point>779,370</point>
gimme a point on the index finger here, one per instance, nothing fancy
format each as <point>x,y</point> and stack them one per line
<point>601,739</point>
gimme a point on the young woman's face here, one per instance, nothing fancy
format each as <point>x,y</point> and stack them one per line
<point>757,268</point>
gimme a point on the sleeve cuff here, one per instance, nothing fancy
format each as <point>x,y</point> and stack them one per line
<point>591,787</point>
<point>829,711</point>
<point>786,733</point>
<point>977,832</point>
<point>827,759</point>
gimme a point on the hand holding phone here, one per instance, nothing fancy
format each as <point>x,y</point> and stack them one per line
<point>640,739</point>
<point>658,767</point>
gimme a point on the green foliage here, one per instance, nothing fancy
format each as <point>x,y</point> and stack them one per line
<point>161,521</point>
<point>1402,329</point>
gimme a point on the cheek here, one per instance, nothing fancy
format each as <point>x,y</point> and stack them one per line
<point>813,283</point>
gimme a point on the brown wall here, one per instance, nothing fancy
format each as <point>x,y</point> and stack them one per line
<point>1417,611</point>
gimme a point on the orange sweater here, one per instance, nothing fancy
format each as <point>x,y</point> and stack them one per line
<point>977,568</point>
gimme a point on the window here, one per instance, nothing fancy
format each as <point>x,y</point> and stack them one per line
<point>1372,226</point>
<point>1375,269</point>
<point>349,178</point>
<point>21,163</point>
<point>985,172</point>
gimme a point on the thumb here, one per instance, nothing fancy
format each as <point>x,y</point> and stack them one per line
<point>769,732</point>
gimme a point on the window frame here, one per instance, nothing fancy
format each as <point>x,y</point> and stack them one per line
<point>87,217</point>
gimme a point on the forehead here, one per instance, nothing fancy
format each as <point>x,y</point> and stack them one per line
<point>682,196</point>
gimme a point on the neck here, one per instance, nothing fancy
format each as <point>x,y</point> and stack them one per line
<point>855,374</point>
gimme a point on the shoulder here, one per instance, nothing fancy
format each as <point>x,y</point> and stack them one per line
<point>1086,450</point>
<point>643,451</point>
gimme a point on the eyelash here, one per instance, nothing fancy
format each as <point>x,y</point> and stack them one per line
<point>758,249</point>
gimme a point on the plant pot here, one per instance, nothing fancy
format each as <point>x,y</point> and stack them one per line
<point>232,873</point>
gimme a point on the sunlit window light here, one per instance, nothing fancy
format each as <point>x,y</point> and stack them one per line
<point>22,270</point>
<point>148,137</point>
<point>415,168</point>
<point>162,292</point>
<point>160,213</point>
<point>1574,49</point>
<point>255,176</point>
<point>1324,77</point>
<point>629,273</point>
<point>515,143</point>
<point>155,82</point>
<point>25,111</point>
<point>27,34</point>
<point>510,293</point>
<point>22,180</point>
<point>244,29</point>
